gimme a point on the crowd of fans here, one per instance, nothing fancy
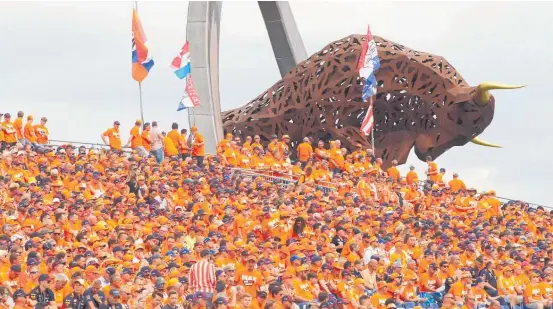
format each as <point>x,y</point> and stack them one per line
<point>165,226</point>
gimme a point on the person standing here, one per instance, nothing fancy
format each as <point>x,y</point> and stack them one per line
<point>10,136</point>
<point>18,125</point>
<point>146,140</point>
<point>29,134</point>
<point>135,140</point>
<point>201,277</point>
<point>304,151</point>
<point>41,132</point>
<point>175,136</point>
<point>198,147</point>
<point>157,142</point>
<point>185,144</point>
<point>113,136</point>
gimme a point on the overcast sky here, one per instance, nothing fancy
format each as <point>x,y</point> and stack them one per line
<point>71,62</point>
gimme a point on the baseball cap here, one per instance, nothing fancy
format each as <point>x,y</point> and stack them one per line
<point>43,277</point>
<point>19,293</point>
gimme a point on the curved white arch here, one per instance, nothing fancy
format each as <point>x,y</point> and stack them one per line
<point>203,30</point>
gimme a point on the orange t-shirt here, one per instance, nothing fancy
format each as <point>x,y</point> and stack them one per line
<point>412,177</point>
<point>136,138</point>
<point>170,149</point>
<point>458,289</point>
<point>9,132</point>
<point>197,149</point>
<point>304,151</point>
<point>393,173</point>
<point>29,131</point>
<point>378,300</point>
<point>532,290</point>
<point>251,280</point>
<point>114,138</point>
<point>175,136</point>
<point>146,142</point>
<point>456,184</point>
<point>18,125</point>
<point>41,133</point>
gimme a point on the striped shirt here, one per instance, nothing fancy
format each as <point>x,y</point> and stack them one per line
<point>202,277</point>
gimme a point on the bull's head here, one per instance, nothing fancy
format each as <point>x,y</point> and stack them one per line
<point>421,102</point>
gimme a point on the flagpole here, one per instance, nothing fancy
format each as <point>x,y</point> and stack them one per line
<point>141,107</point>
<point>374,124</point>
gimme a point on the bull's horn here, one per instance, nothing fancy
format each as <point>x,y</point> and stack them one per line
<point>480,142</point>
<point>482,95</point>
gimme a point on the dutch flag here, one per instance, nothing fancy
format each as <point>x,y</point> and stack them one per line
<point>181,63</point>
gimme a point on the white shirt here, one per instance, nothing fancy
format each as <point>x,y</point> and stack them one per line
<point>157,138</point>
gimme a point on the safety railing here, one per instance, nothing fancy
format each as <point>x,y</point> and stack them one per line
<point>58,143</point>
<point>505,200</point>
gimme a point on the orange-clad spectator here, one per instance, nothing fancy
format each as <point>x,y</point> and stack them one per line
<point>393,172</point>
<point>461,288</point>
<point>169,148</point>
<point>412,176</point>
<point>113,137</point>
<point>429,280</point>
<point>10,135</point>
<point>378,299</point>
<point>478,291</point>
<point>18,125</point>
<point>408,291</point>
<point>304,150</point>
<point>273,144</point>
<point>432,171</point>
<point>136,141</point>
<point>231,155</point>
<point>321,153</point>
<point>250,278</point>
<point>41,132</point>
<point>283,147</point>
<point>146,140</point>
<point>245,158</point>
<point>533,293</point>
<point>224,144</point>
<point>359,152</point>
<point>198,147</point>
<point>302,286</point>
<point>508,287</point>
<point>175,136</point>
<point>456,184</point>
<point>257,143</point>
<point>248,143</point>
<point>29,131</point>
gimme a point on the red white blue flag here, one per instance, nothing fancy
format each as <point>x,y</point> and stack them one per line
<point>367,66</point>
<point>181,63</point>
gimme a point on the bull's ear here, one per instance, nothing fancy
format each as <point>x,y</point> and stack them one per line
<point>482,94</point>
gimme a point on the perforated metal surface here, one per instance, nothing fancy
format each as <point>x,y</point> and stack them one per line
<point>422,102</point>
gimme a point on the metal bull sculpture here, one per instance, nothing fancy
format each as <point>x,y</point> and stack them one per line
<point>422,102</point>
